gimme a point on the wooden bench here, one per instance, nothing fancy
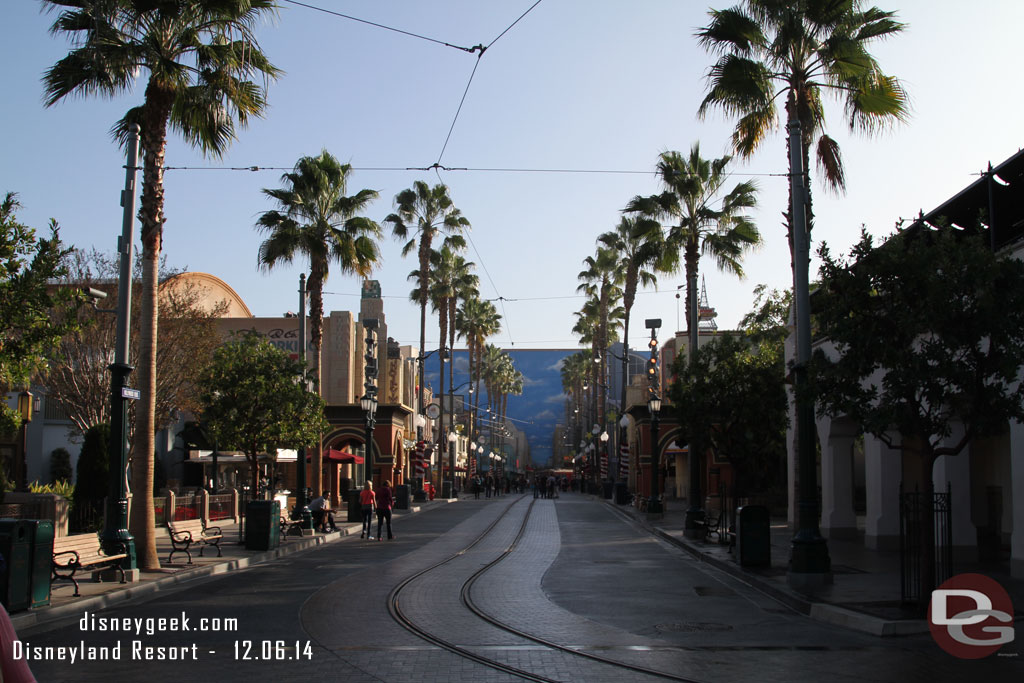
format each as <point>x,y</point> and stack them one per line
<point>290,526</point>
<point>83,551</point>
<point>186,533</point>
<point>710,524</point>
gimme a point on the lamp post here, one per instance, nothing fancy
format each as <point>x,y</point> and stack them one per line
<point>623,440</point>
<point>654,406</point>
<point>654,505</point>
<point>451,455</point>
<point>368,402</point>
<point>115,535</point>
<point>25,413</point>
<point>604,452</point>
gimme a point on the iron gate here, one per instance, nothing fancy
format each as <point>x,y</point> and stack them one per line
<point>913,508</point>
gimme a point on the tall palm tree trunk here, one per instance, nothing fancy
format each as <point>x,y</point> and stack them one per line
<point>154,141</point>
<point>315,286</point>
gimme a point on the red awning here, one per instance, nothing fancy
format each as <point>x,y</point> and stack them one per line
<point>333,455</point>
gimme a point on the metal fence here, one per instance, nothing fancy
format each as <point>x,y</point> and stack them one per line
<point>915,509</point>
<point>186,506</point>
<point>86,515</point>
<point>221,507</point>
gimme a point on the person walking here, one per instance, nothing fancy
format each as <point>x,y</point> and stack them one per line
<point>385,501</point>
<point>368,501</point>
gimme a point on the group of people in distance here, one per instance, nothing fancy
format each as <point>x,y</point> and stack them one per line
<point>381,502</point>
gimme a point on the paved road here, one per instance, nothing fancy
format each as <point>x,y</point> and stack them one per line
<point>578,575</point>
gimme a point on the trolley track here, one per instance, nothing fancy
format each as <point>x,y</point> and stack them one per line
<point>394,607</point>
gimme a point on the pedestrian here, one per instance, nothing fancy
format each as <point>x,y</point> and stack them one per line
<point>385,501</point>
<point>476,487</point>
<point>367,500</point>
<point>323,518</point>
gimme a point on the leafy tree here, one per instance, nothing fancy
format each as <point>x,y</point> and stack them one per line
<point>254,399</point>
<point>32,316</point>
<point>78,376</point>
<point>795,52</point>
<point>199,56</point>
<point>92,481</point>
<point>768,322</point>
<point>60,465</point>
<point>425,212</point>
<point>693,185</point>
<point>928,331</point>
<point>319,222</point>
<point>731,400</point>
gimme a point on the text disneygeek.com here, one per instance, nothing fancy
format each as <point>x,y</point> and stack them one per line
<point>143,650</point>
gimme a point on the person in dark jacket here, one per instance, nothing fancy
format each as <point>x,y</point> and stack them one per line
<point>385,501</point>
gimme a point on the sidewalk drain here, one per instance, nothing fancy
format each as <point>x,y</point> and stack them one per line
<point>692,627</point>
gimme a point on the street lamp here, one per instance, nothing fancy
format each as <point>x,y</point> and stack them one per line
<point>368,403</point>
<point>654,406</point>
<point>654,505</point>
<point>25,413</point>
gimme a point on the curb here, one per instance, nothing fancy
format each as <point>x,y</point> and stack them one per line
<point>818,611</point>
<point>46,615</point>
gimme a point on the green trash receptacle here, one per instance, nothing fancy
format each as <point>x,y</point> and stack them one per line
<point>402,497</point>
<point>15,578</point>
<point>622,496</point>
<point>753,536</point>
<point>355,510</point>
<point>447,490</point>
<point>262,525</point>
<point>41,542</point>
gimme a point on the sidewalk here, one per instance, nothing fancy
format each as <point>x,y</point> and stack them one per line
<point>96,595</point>
<point>864,595</point>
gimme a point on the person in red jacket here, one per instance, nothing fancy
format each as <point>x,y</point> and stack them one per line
<point>385,501</point>
<point>368,501</point>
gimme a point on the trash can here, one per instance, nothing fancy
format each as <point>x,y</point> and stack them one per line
<point>606,490</point>
<point>262,525</point>
<point>41,543</point>
<point>621,493</point>
<point>355,510</point>
<point>447,490</point>
<point>402,497</point>
<point>15,578</point>
<point>753,536</point>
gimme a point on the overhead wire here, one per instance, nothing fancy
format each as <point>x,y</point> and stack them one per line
<point>383,26</point>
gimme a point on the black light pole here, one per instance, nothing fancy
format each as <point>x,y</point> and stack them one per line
<point>654,505</point>
<point>115,535</point>
<point>301,502</point>
<point>809,563</point>
<point>369,400</point>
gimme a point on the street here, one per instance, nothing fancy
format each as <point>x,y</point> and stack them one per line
<point>571,572</point>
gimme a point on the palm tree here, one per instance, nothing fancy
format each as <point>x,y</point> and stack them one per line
<point>692,185</point>
<point>795,52</point>
<point>475,321</point>
<point>639,244</point>
<point>319,222</point>
<point>200,57</point>
<point>425,211</point>
<point>602,279</point>
<point>449,276</point>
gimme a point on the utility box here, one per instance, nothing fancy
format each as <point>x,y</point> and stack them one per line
<point>753,536</point>
<point>15,579</point>
<point>262,525</point>
<point>447,490</point>
<point>402,497</point>
<point>41,543</point>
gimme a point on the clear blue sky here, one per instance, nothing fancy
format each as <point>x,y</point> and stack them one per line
<point>597,85</point>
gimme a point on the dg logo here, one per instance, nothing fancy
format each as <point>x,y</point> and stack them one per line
<point>971,616</point>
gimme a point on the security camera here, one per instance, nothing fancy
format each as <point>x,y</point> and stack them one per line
<point>95,294</point>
